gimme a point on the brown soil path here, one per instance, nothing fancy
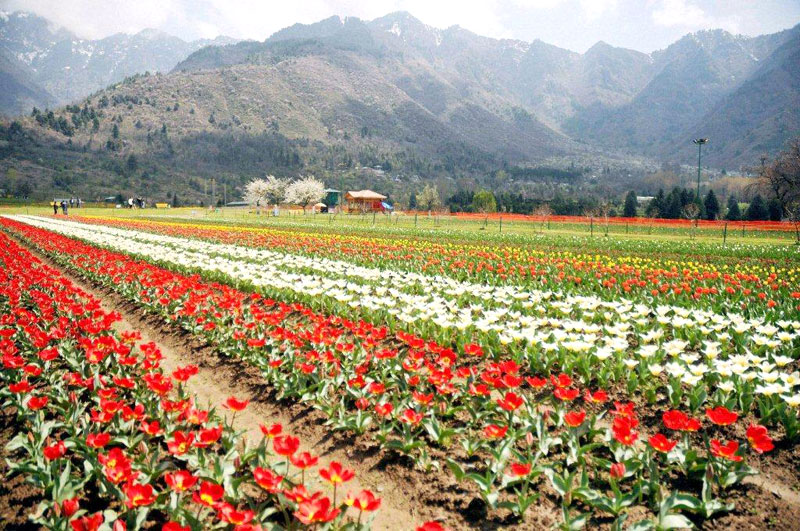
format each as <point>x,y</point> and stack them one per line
<point>219,377</point>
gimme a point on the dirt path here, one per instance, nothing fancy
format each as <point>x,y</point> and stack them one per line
<point>219,377</point>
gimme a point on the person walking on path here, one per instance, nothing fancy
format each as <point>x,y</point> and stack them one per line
<point>64,206</point>
<point>55,207</point>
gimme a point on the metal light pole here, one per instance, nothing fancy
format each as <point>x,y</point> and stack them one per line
<point>699,142</point>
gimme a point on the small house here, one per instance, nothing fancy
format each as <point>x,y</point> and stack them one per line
<point>364,201</point>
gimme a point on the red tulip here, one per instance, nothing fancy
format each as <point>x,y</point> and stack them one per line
<point>70,507</point>
<point>181,442</point>
<point>270,431</point>
<point>721,416</point>
<point>617,470</point>
<point>598,397</point>
<point>575,418</point>
<point>679,421</point>
<point>335,473</point>
<point>562,380</point>
<point>48,354</point>
<point>520,469</point>
<point>759,439</point>
<point>182,374</point>
<point>151,428</point>
<point>285,445</point>
<point>493,431</point>
<point>303,460</point>
<point>234,404</point>
<point>299,494</point>
<point>510,402</point>
<point>411,417</point>
<point>384,410</point>
<point>660,443</point>
<point>180,480</point>
<point>208,436</point>
<point>209,494</point>
<point>37,402</point>
<point>20,387</point>
<point>138,495</point>
<point>97,440</point>
<point>623,430</point>
<point>725,450</point>
<point>473,349</point>
<point>55,451</point>
<point>536,382</point>
<point>267,479</point>
<point>316,511</point>
<point>231,515</point>
<point>363,501</point>
<point>87,523</point>
<point>566,395</point>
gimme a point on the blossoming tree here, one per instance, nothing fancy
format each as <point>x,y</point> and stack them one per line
<point>269,191</point>
<point>304,192</point>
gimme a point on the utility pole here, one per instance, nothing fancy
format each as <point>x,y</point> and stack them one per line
<point>699,142</point>
<point>224,194</point>
<point>213,194</point>
<point>341,193</point>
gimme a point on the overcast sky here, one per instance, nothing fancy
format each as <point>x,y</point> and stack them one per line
<point>644,25</point>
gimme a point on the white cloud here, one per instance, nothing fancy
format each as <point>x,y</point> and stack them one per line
<point>594,9</point>
<point>679,13</point>
<point>684,14</point>
<point>92,19</point>
<point>538,4</point>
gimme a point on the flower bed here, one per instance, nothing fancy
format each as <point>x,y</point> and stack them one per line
<point>420,398</point>
<point>111,440</point>
<point>692,281</point>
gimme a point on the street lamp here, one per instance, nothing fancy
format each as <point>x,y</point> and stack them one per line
<point>699,142</point>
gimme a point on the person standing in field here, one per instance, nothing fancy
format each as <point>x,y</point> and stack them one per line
<point>64,206</point>
<point>55,207</point>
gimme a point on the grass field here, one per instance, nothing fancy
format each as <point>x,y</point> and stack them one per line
<point>493,228</point>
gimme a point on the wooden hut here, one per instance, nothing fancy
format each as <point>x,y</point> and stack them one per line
<point>364,201</point>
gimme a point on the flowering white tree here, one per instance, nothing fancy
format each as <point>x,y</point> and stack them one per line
<point>269,191</point>
<point>304,192</point>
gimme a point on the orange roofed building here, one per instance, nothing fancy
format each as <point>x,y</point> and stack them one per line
<point>364,201</point>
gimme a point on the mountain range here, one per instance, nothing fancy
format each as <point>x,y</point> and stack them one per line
<point>343,93</point>
<point>42,65</point>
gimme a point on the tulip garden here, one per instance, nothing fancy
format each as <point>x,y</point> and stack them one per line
<point>559,384</point>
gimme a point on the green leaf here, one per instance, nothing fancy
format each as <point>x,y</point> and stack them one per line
<point>676,521</point>
<point>456,469</point>
<point>579,522</point>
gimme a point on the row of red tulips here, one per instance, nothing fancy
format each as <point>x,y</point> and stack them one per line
<point>113,441</point>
